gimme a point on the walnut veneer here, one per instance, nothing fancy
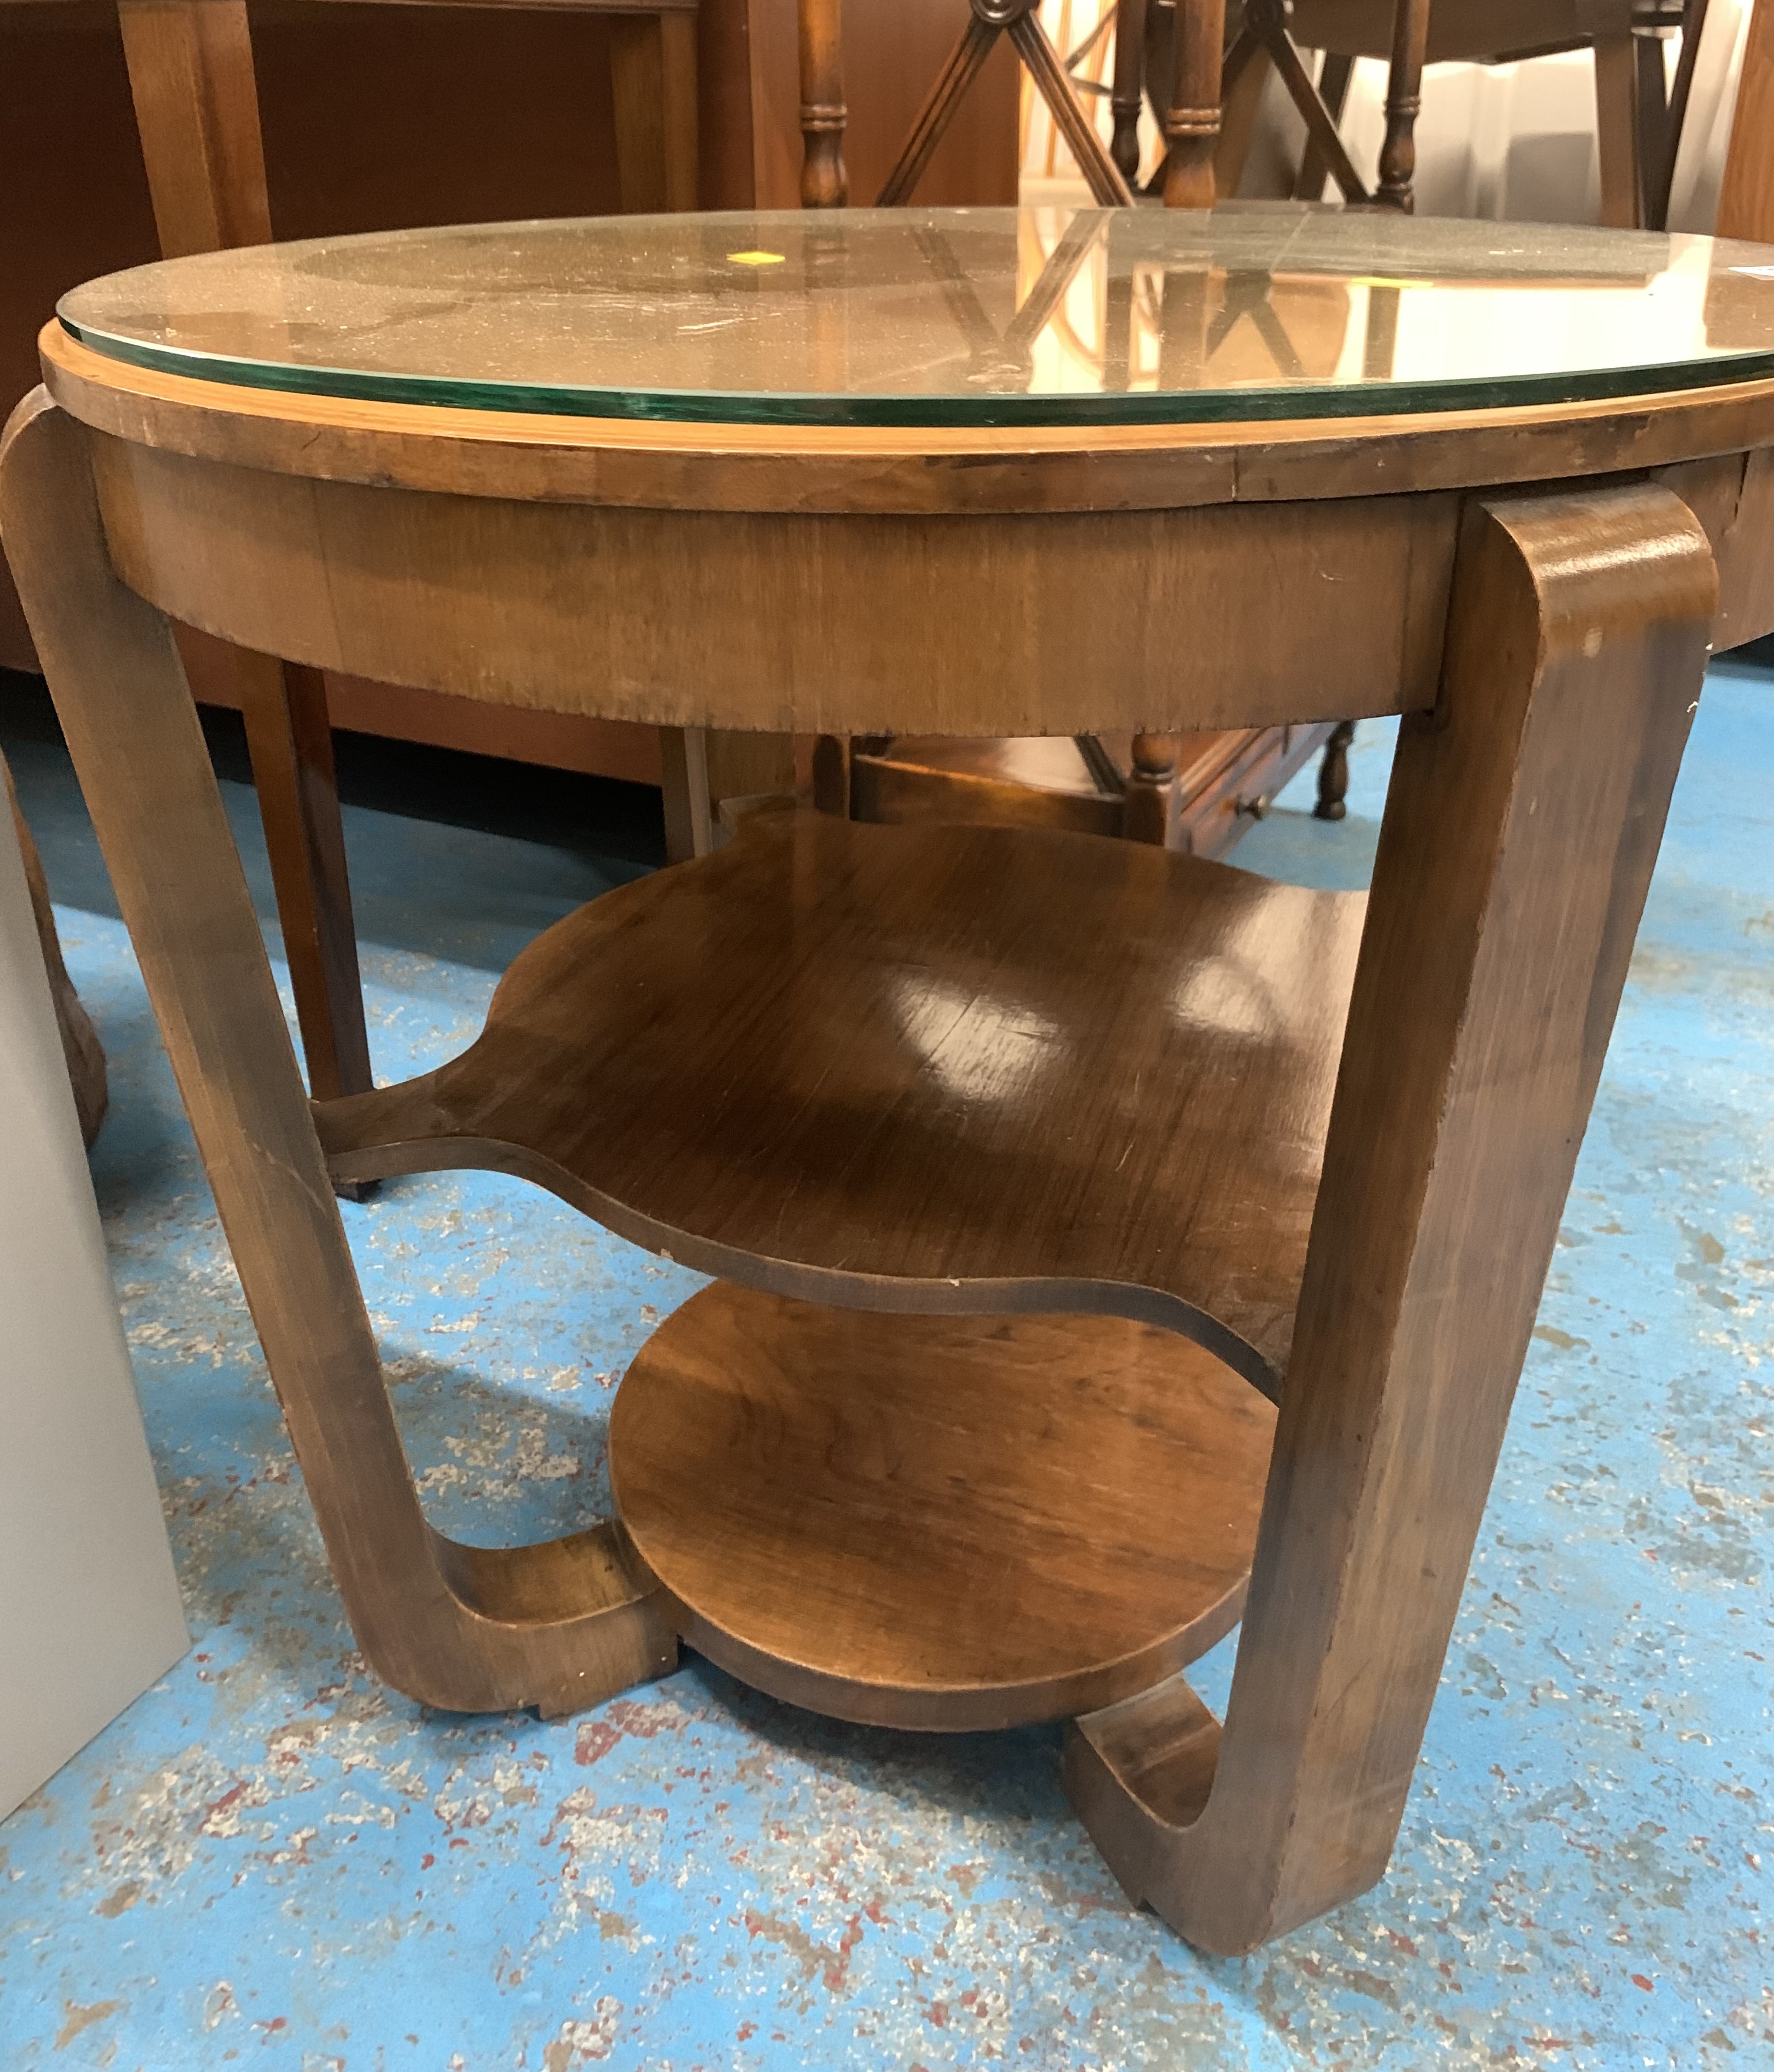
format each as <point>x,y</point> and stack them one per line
<point>1089,1137</point>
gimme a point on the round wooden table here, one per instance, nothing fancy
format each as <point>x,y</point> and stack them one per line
<point>1109,1244</point>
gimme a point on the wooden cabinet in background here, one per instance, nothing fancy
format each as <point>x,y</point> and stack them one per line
<point>132,130</point>
<point>376,117</point>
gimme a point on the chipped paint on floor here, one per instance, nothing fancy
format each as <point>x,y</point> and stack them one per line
<point>272,1859</point>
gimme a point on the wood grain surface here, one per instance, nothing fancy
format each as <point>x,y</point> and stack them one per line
<point>558,1624</point>
<point>944,1523</point>
<point>1746,201</point>
<point>1522,827</point>
<point>955,1071</point>
<point>197,115</point>
<point>802,624</point>
<point>937,1069</point>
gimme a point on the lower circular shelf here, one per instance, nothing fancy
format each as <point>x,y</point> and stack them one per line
<point>945,1523</point>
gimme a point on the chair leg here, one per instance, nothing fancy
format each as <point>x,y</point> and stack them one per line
<point>1333,90</point>
<point>1404,99</point>
<point>653,80</point>
<point>1655,147</point>
<point>1047,69</point>
<point>683,772</point>
<point>1127,94</point>
<point>1192,119</point>
<point>1149,803</point>
<point>825,183</point>
<point>289,738</point>
<point>1333,773</point>
<point>1694,25</point>
<point>971,51</point>
<point>1617,131</point>
<point>831,774</point>
<point>197,115</point>
<point>81,1050</point>
<point>1267,19</point>
<point>1248,66</point>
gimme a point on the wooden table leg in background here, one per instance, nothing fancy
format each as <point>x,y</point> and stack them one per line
<point>653,79</point>
<point>684,793</point>
<point>1617,131</point>
<point>653,76</point>
<point>1333,773</point>
<point>1523,822</point>
<point>197,112</point>
<point>559,1625</point>
<point>289,739</point>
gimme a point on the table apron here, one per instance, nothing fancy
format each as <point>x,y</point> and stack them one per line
<point>972,623</point>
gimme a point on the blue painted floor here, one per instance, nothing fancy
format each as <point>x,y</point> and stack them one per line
<point>272,1859</point>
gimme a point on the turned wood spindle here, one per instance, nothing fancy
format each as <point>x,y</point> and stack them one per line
<point>1128,90</point>
<point>824,182</point>
<point>1149,808</point>
<point>1333,775</point>
<point>1404,98</point>
<point>1191,121</point>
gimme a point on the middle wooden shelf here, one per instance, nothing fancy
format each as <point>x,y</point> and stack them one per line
<point>937,1069</point>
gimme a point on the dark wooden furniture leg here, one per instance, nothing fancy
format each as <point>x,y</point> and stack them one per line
<point>1404,99</point>
<point>987,22</point>
<point>652,78</point>
<point>1128,91</point>
<point>1523,821</point>
<point>289,739</point>
<point>558,1625</point>
<point>1334,77</point>
<point>1267,20</point>
<point>1651,112</point>
<point>652,81</point>
<point>197,114</point>
<point>1694,26</point>
<point>1191,118</point>
<point>1047,70</point>
<point>684,791</point>
<point>1149,800</point>
<point>196,104</point>
<point>825,183</point>
<point>1333,773</point>
<point>1617,130</point>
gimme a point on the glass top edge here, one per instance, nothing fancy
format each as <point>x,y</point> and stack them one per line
<point>1042,316</point>
<point>1315,402</point>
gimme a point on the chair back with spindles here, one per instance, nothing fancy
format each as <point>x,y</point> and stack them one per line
<point>1190,113</point>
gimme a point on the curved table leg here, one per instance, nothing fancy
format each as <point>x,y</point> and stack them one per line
<point>556,1626</point>
<point>1523,821</point>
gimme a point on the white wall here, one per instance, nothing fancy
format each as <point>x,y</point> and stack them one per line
<point>89,1612</point>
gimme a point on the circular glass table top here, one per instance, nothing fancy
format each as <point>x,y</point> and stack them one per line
<point>953,316</point>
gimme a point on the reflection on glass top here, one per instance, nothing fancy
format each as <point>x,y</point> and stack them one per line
<point>1036,316</point>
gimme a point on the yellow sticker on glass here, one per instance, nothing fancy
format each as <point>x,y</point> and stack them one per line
<point>754,258</point>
